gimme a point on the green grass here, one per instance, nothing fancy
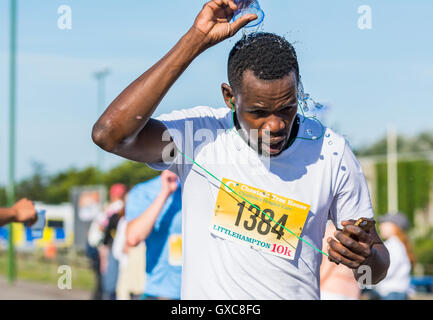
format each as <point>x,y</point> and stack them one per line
<point>37,269</point>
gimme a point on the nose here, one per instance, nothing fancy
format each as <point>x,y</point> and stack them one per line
<point>274,124</point>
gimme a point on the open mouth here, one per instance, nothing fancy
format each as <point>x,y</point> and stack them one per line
<point>274,148</point>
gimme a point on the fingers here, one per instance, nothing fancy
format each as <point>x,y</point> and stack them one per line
<point>352,230</point>
<point>347,222</point>
<point>32,221</point>
<point>228,7</point>
<point>226,3</point>
<point>242,22</point>
<point>337,257</point>
<point>348,251</point>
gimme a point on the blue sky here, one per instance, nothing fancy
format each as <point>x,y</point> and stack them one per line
<point>369,77</point>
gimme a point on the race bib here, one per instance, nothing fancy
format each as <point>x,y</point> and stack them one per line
<point>175,250</point>
<point>241,221</point>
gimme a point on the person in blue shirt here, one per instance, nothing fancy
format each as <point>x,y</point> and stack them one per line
<point>153,211</point>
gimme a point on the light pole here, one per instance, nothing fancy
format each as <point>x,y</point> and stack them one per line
<point>392,167</point>
<point>100,78</point>
<point>12,101</point>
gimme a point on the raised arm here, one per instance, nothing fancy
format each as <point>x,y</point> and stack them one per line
<point>126,127</point>
<point>140,228</point>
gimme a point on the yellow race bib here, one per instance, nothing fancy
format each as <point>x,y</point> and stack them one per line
<point>175,250</point>
<point>237,220</point>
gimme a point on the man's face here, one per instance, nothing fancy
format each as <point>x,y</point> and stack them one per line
<point>266,110</point>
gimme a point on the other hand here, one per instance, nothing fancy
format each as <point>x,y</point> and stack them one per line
<point>354,245</point>
<point>24,211</point>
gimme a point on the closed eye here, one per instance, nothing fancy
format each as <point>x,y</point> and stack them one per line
<point>288,108</point>
<point>258,112</point>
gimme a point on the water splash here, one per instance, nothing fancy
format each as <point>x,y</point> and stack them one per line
<point>307,102</point>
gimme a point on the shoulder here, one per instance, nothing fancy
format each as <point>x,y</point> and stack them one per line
<point>144,188</point>
<point>199,112</point>
<point>330,142</point>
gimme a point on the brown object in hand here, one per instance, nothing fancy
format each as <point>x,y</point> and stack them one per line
<point>365,224</point>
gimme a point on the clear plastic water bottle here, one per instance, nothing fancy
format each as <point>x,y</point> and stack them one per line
<point>247,7</point>
<point>37,229</point>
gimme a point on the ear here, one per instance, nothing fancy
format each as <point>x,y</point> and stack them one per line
<point>228,95</point>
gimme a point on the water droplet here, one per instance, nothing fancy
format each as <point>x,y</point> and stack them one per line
<point>306,96</point>
<point>314,138</point>
<point>300,91</point>
<point>319,106</point>
<point>310,132</point>
<point>322,157</point>
<point>343,168</point>
<point>328,135</point>
<point>335,153</point>
<point>330,143</point>
<point>306,109</point>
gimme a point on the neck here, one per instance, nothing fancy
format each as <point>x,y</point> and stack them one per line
<point>293,133</point>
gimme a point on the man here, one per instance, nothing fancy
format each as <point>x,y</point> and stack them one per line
<point>23,211</point>
<point>153,212</point>
<point>230,253</point>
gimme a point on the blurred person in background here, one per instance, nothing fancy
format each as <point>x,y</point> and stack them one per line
<point>96,251</point>
<point>153,212</point>
<point>336,281</point>
<point>23,211</point>
<point>109,264</point>
<point>131,264</point>
<point>396,284</point>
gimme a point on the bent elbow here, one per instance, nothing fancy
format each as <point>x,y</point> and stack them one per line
<point>131,237</point>
<point>102,137</point>
<point>131,241</point>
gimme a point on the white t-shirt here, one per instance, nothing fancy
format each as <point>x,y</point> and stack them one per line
<point>318,179</point>
<point>398,276</point>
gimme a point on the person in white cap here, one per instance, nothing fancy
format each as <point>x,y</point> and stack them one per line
<point>396,284</point>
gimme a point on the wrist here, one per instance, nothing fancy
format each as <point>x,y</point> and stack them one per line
<point>195,40</point>
<point>165,193</point>
<point>369,260</point>
<point>12,214</point>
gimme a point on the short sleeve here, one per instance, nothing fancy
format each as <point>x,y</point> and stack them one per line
<point>190,130</point>
<point>351,197</point>
<point>138,200</point>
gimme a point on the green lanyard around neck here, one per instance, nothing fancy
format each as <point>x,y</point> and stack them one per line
<point>254,206</point>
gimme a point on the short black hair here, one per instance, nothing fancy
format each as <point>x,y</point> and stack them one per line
<point>268,55</point>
